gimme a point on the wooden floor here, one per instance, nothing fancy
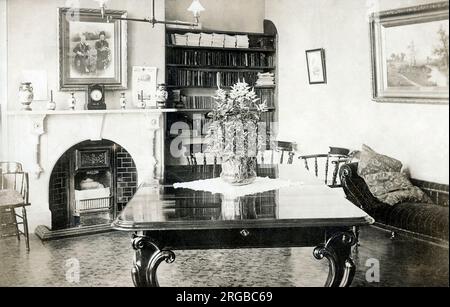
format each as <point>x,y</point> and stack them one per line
<point>105,261</point>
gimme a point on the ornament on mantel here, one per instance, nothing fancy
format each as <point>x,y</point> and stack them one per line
<point>72,101</point>
<point>161,96</point>
<point>51,105</point>
<point>26,95</point>
<point>123,101</point>
<point>142,103</point>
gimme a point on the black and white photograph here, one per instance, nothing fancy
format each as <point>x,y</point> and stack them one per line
<point>227,151</point>
<point>92,49</point>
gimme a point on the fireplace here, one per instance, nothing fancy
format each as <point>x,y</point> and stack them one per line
<point>90,184</point>
<point>42,140</point>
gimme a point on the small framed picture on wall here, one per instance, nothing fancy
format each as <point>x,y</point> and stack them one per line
<point>315,60</point>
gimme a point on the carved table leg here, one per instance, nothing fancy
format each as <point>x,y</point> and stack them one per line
<point>146,261</point>
<point>337,250</point>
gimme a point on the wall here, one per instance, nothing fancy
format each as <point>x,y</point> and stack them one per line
<point>228,15</point>
<point>341,113</point>
<point>3,77</point>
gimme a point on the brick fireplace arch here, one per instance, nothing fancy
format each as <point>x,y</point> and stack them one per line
<point>105,163</point>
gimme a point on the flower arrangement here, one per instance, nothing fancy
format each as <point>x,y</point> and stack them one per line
<point>233,133</point>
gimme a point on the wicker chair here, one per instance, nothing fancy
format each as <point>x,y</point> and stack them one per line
<point>13,195</point>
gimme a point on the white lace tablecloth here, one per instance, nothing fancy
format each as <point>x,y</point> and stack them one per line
<point>218,186</point>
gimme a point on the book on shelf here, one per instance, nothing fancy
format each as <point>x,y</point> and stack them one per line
<point>266,95</point>
<point>230,41</point>
<point>199,78</point>
<point>218,40</point>
<point>198,102</point>
<point>207,102</point>
<point>265,79</point>
<point>220,58</point>
<point>242,41</point>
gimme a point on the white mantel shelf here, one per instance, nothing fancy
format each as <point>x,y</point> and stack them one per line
<point>149,120</point>
<point>92,112</point>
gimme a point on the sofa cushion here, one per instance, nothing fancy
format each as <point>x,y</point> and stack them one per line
<point>372,162</point>
<point>384,179</point>
<point>393,188</point>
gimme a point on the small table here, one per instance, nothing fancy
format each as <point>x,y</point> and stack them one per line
<point>306,214</point>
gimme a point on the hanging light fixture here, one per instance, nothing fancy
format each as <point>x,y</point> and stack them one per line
<point>196,8</point>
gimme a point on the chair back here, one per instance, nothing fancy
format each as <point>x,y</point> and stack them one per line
<point>280,153</point>
<point>324,162</point>
<point>203,165</point>
<point>10,167</point>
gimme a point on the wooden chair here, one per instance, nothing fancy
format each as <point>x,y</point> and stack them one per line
<point>202,164</point>
<point>13,195</point>
<point>280,153</point>
<point>333,159</point>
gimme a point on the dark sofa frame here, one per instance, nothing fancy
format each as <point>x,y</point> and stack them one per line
<point>397,219</point>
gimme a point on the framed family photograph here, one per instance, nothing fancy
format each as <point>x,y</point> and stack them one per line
<point>92,50</point>
<point>315,60</point>
<point>410,54</point>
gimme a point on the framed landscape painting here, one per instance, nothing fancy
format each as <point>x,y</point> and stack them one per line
<point>92,50</point>
<point>410,54</point>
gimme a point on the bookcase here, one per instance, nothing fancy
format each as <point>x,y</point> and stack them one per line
<point>198,62</point>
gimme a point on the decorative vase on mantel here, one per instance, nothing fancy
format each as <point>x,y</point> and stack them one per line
<point>233,133</point>
<point>161,96</point>
<point>26,95</point>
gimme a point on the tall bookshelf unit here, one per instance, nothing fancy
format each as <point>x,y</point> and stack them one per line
<point>196,72</point>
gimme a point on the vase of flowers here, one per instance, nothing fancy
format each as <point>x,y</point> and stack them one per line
<point>233,133</point>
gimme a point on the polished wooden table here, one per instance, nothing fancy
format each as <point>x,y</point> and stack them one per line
<point>310,214</point>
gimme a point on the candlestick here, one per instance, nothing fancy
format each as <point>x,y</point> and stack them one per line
<point>51,105</point>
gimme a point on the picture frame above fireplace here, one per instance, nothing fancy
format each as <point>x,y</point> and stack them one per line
<point>92,50</point>
<point>409,49</point>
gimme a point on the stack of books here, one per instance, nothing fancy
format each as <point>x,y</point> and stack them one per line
<point>193,39</point>
<point>242,41</point>
<point>265,79</point>
<point>206,40</point>
<point>230,41</point>
<point>218,40</point>
<point>179,39</point>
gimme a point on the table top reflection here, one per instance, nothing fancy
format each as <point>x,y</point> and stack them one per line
<point>308,202</point>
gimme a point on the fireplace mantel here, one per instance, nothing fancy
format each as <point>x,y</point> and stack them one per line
<point>39,138</point>
<point>94,119</point>
<point>91,112</point>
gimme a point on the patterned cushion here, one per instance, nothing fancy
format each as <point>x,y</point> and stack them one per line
<point>385,181</point>
<point>372,162</point>
<point>393,188</point>
<point>10,198</point>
